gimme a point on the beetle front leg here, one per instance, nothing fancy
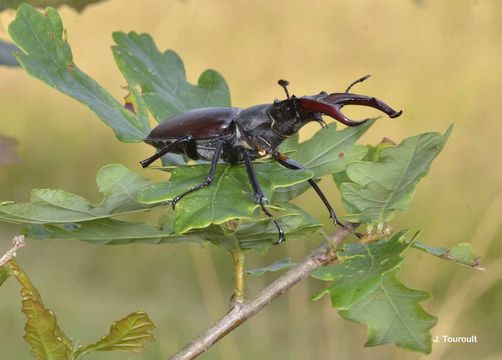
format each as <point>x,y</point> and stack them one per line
<point>210,176</point>
<point>295,165</point>
<point>259,196</point>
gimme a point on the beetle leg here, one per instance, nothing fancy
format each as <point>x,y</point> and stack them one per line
<point>210,176</point>
<point>259,196</point>
<point>164,150</point>
<point>295,165</point>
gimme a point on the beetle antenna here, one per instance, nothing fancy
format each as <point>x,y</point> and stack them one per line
<point>284,84</point>
<point>357,81</point>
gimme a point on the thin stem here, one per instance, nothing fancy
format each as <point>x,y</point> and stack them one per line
<point>238,297</point>
<point>17,243</point>
<point>240,312</point>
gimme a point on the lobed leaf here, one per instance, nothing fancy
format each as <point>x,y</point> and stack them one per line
<point>361,269</point>
<point>47,56</point>
<point>394,315</point>
<point>161,76</point>
<point>376,190</point>
<point>229,197</point>
<point>462,254</point>
<point>129,334</point>
<point>117,183</point>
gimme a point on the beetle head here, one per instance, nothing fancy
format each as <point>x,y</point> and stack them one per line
<point>291,114</point>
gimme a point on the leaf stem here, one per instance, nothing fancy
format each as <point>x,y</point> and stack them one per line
<point>238,258</point>
<point>240,312</point>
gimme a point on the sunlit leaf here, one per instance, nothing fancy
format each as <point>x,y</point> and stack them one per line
<point>78,5</point>
<point>41,331</point>
<point>46,339</point>
<point>360,269</point>
<point>129,334</point>
<point>378,189</point>
<point>47,56</point>
<point>161,76</point>
<point>280,265</point>
<point>230,196</point>
<point>117,183</point>
<point>462,254</point>
<point>394,315</point>
<point>6,57</point>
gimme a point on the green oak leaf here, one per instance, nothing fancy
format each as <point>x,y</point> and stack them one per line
<point>260,233</point>
<point>129,334</point>
<point>360,269</point>
<point>47,56</point>
<point>462,254</point>
<point>376,190</point>
<point>111,232</point>
<point>229,197</point>
<point>118,184</point>
<point>161,76</point>
<point>329,151</point>
<point>280,265</point>
<point>78,5</point>
<point>394,315</point>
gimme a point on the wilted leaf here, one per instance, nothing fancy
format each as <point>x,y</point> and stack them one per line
<point>394,315</point>
<point>360,269</point>
<point>78,5</point>
<point>118,184</point>
<point>280,265</point>
<point>129,334</point>
<point>6,57</point>
<point>162,79</point>
<point>378,189</point>
<point>230,196</point>
<point>8,150</point>
<point>462,254</point>
<point>47,56</point>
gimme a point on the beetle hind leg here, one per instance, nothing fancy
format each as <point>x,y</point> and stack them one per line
<point>260,198</point>
<point>147,162</point>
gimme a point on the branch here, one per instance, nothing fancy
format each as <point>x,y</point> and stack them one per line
<point>17,243</point>
<point>240,312</point>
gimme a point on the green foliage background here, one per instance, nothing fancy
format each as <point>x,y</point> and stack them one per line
<point>439,67</point>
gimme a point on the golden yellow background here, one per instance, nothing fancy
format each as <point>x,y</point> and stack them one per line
<point>439,61</point>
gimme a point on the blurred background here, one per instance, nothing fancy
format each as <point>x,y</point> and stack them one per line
<point>439,61</point>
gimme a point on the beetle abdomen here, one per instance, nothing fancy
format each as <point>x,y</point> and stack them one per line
<point>201,124</point>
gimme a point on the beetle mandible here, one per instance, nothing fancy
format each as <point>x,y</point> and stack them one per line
<point>237,135</point>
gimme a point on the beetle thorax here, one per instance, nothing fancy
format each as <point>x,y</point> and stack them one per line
<point>287,119</point>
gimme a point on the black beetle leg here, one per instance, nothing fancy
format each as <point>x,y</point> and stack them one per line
<point>210,176</point>
<point>295,165</point>
<point>260,197</point>
<point>164,150</point>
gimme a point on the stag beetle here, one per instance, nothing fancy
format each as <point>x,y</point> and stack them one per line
<point>237,135</point>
